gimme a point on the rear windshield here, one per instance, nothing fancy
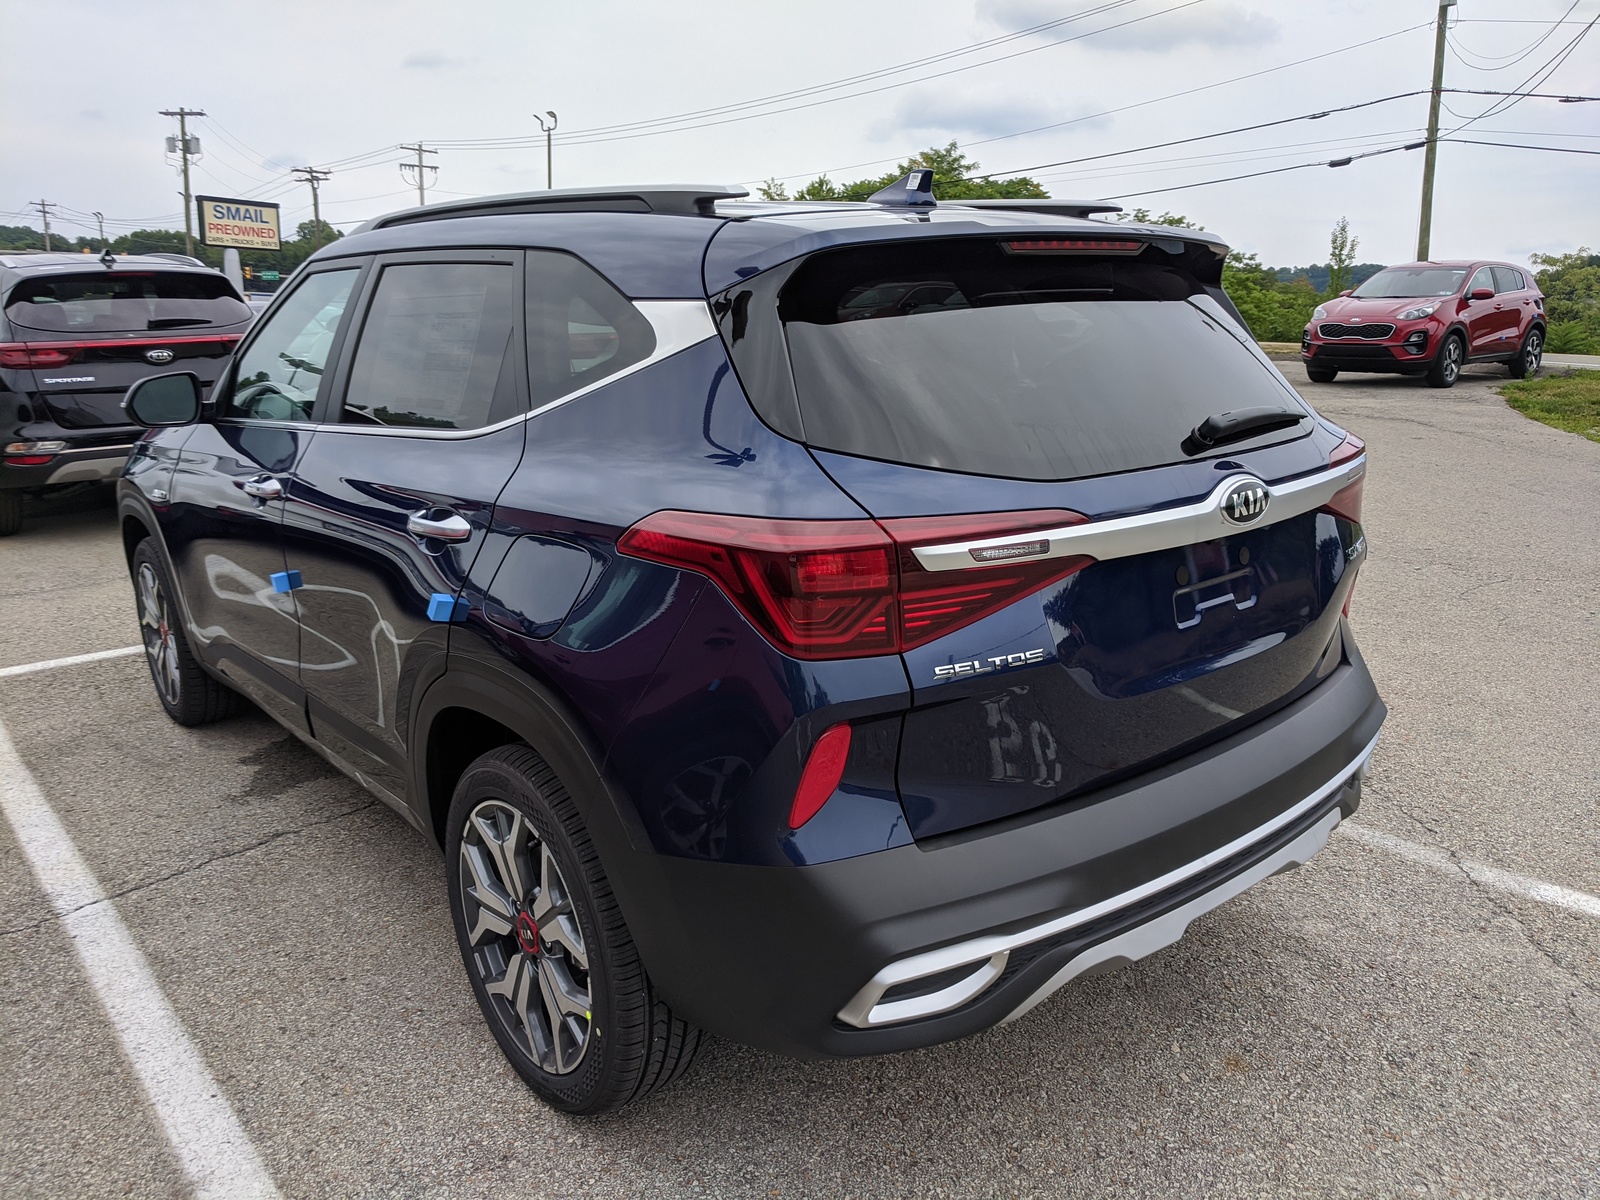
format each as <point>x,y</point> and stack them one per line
<point>118,301</point>
<point>1404,283</point>
<point>969,356</point>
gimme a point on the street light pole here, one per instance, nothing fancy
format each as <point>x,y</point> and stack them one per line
<point>1431,155</point>
<point>100,219</point>
<point>549,158</point>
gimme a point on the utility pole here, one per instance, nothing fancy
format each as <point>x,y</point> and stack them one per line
<point>44,207</point>
<point>313,176</point>
<point>549,168</point>
<point>419,167</point>
<point>1431,154</point>
<point>100,219</point>
<point>187,148</point>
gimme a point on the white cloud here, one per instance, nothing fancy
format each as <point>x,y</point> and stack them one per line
<point>929,116</point>
<point>430,60</point>
<point>1203,25</point>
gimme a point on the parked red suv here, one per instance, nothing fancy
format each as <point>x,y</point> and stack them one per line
<point>1429,319</point>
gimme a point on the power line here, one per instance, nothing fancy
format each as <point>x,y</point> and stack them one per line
<point>44,207</point>
<point>1508,61</point>
<point>1334,162</point>
<point>420,168</point>
<point>1521,146</point>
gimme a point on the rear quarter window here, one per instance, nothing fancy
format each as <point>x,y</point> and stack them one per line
<point>119,301</point>
<point>967,356</point>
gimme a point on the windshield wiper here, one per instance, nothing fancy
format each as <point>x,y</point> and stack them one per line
<point>1222,428</point>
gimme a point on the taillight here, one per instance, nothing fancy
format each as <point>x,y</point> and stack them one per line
<point>1346,502</point>
<point>821,776</point>
<point>849,589</point>
<point>20,354</point>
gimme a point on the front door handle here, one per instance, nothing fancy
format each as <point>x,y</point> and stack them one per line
<point>263,487</point>
<point>451,528</point>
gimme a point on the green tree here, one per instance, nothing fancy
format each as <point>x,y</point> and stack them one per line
<point>772,190</point>
<point>1571,287</point>
<point>1275,311</point>
<point>955,177</point>
<point>1143,216</point>
<point>1341,256</point>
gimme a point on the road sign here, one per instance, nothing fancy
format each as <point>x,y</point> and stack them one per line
<point>247,224</point>
<point>269,276</point>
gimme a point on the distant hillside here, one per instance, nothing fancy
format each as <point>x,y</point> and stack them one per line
<point>1317,273</point>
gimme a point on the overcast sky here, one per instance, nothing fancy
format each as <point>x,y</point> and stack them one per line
<point>291,83</point>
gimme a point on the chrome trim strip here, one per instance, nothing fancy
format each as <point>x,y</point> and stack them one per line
<point>865,1011</point>
<point>1168,928</point>
<point>1162,529</point>
<point>678,324</point>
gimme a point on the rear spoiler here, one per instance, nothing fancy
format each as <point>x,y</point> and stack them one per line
<point>1054,208</point>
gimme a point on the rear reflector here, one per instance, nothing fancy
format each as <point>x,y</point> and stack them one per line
<point>821,777</point>
<point>850,589</point>
<point>28,460</point>
<point>1073,246</point>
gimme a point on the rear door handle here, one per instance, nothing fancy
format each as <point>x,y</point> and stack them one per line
<point>451,528</point>
<point>263,487</point>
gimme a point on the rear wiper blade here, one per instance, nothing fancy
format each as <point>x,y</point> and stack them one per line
<point>1221,428</point>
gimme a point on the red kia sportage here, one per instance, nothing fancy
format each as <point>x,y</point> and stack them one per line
<point>1429,319</point>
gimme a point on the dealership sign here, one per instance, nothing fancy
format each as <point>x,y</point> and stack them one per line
<point>245,223</point>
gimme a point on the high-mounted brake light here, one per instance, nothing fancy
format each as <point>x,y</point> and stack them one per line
<point>1346,502</point>
<point>821,776</point>
<point>1073,246</point>
<point>849,589</point>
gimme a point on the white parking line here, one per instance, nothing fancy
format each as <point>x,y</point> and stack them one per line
<point>51,664</point>
<point>1481,873</point>
<point>212,1146</point>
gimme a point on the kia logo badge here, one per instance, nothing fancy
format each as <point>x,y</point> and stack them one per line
<point>159,356</point>
<point>1244,502</point>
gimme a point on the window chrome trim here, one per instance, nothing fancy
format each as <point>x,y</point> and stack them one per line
<point>678,325</point>
<point>1163,529</point>
<point>867,1010</point>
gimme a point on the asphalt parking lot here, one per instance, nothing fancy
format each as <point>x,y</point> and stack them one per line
<point>1408,1015</point>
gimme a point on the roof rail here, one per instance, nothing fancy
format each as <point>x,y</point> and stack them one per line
<point>1056,208</point>
<point>684,199</point>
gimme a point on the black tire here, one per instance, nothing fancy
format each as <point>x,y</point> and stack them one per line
<point>567,941</point>
<point>1530,355</point>
<point>10,511</point>
<point>1446,366</point>
<point>1322,374</point>
<point>186,691</point>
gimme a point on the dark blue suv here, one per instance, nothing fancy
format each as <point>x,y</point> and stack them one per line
<point>831,626</point>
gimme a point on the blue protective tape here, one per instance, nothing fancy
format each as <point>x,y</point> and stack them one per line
<point>285,581</point>
<point>444,607</point>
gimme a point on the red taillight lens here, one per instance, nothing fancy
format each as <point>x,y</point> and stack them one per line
<point>849,589</point>
<point>1073,246</point>
<point>816,589</point>
<point>28,460</point>
<point>20,354</point>
<point>821,777</point>
<point>1346,502</point>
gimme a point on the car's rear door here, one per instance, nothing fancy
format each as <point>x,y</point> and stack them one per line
<point>1511,292</point>
<point>222,520</point>
<point>1082,595</point>
<point>392,501</point>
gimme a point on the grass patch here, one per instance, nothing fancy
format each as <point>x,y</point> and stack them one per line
<point>1570,402</point>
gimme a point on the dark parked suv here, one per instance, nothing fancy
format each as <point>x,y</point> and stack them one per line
<point>75,331</point>
<point>831,626</point>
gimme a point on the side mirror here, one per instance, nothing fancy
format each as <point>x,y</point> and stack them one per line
<point>1346,292</point>
<point>162,400</point>
<point>1481,294</point>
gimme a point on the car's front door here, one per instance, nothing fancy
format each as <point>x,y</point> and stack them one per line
<point>392,500</point>
<point>1484,318</point>
<point>223,521</point>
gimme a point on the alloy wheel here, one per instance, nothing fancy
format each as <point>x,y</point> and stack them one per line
<point>160,640</point>
<point>1452,359</point>
<point>527,947</point>
<point>1533,353</point>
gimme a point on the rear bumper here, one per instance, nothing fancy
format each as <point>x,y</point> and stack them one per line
<point>76,464</point>
<point>929,942</point>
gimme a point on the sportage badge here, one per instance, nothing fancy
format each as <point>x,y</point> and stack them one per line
<point>1244,502</point>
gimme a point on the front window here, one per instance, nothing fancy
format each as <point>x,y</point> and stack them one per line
<point>281,370</point>
<point>1405,283</point>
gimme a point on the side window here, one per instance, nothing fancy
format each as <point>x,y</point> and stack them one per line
<point>1482,278</point>
<point>580,328</point>
<point>1507,279</point>
<point>435,349</point>
<point>278,375</point>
